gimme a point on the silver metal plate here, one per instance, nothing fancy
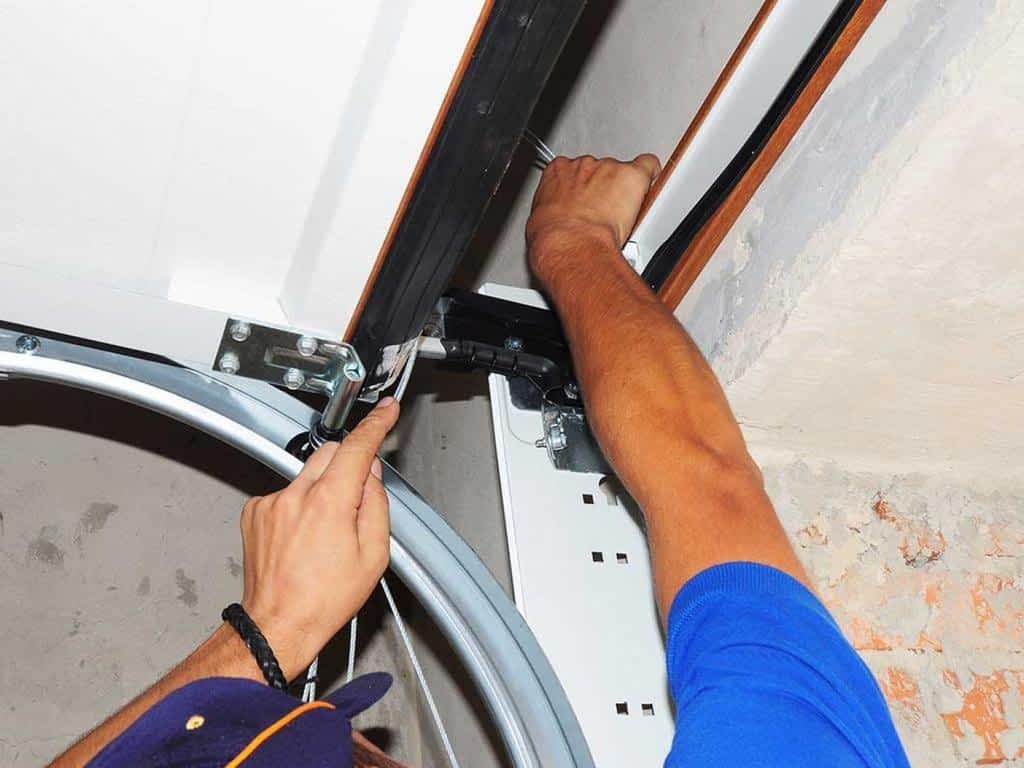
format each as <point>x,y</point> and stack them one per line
<point>293,360</point>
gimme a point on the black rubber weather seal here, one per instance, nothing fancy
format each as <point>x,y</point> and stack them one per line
<point>664,260</point>
<point>517,49</point>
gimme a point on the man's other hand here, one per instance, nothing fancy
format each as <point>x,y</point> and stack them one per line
<point>583,199</point>
<point>315,550</point>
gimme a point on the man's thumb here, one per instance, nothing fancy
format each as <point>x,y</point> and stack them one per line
<point>649,164</point>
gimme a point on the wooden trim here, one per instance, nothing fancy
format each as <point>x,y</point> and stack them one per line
<point>707,240</point>
<point>708,103</point>
<point>435,130</point>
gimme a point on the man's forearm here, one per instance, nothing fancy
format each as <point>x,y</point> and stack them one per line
<point>660,416</point>
<point>223,654</point>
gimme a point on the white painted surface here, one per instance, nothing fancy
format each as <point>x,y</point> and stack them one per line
<point>773,56</point>
<point>242,157</point>
<point>596,621</point>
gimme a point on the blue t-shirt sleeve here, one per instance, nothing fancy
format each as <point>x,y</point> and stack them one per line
<point>762,676</point>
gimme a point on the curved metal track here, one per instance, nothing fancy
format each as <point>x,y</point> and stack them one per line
<point>514,678</point>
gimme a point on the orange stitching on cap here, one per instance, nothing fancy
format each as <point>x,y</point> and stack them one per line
<point>273,728</point>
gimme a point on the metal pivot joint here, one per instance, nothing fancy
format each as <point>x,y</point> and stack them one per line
<point>347,385</point>
<point>299,362</point>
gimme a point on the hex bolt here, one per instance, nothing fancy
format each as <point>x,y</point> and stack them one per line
<point>229,362</point>
<point>514,343</point>
<point>26,344</point>
<point>307,346</point>
<point>240,331</point>
<point>293,378</point>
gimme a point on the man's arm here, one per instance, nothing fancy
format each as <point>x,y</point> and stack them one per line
<point>655,406</point>
<point>313,553</point>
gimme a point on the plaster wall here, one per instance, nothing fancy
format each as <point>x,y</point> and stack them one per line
<point>866,313</point>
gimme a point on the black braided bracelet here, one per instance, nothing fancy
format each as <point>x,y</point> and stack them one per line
<point>257,644</point>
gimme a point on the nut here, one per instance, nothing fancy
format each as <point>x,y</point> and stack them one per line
<point>306,345</point>
<point>229,362</point>
<point>240,331</point>
<point>293,378</point>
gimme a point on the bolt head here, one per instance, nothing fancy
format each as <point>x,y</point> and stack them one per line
<point>353,371</point>
<point>572,390</point>
<point>514,343</point>
<point>240,331</point>
<point>557,441</point>
<point>293,378</point>
<point>26,344</point>
<point>307,346</point>
<point>229,363</point>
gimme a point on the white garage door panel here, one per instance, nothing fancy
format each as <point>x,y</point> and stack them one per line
<point>88,126</point>
<point>246,157</point>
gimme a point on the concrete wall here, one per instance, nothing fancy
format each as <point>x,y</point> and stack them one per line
<point>119,547</point>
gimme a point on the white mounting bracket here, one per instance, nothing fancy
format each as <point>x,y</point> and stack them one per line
<point>582,579</point>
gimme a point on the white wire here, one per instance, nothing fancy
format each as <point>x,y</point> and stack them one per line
<point>406,372</point>
<point>352,628</point>
<point>419,675</point>
<point>309,690</point>
<point>542,157</point>
<point>543,150</point>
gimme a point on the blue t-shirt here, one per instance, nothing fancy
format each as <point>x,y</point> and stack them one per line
<point>762,676</point>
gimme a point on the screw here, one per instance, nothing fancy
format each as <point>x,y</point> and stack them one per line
<point>240,330</point>
<point>514,343</point>
<point>293,378</point>
<point>306,345</point>
<point>229,362</point>
<point>27,345</point>
<point>572,390</point>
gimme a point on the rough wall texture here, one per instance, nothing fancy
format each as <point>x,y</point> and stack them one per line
<point>867,313</point>
<point>909,69</point>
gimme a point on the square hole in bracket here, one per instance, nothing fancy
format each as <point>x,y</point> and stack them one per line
<point>597,557</point>
<point>647,710</point>
<point>621,558</point>
<point>621,708</point>
<point>588,498</point>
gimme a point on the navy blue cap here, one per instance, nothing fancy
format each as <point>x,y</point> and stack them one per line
<point>221,721</point>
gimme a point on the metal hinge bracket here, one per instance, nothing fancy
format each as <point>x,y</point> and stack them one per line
<point>300,362</point>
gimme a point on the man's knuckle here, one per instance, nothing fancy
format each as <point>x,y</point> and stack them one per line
<point>320,495</point>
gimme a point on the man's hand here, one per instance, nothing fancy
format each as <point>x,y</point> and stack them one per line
<point>586,199</point>
<point>315,550</point>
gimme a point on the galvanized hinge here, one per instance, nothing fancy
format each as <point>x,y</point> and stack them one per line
<point>297,361</point>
